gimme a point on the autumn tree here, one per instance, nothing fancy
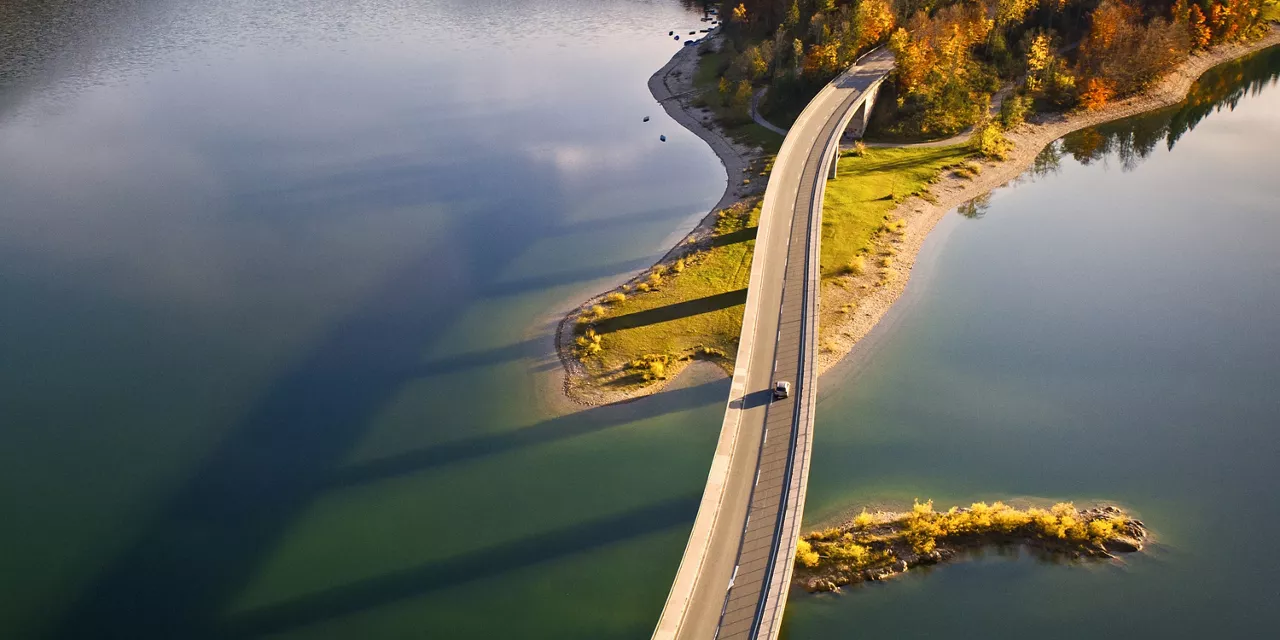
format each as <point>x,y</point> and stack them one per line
<point>1048,77</point>
<point>1125,52</point>
<point>1097,92</point>
<point>942,88</point>
<point>874,20</point>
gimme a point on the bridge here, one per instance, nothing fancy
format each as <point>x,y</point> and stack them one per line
<point>733,578</point>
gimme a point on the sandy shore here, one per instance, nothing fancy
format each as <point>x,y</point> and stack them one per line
<point>839,333</point>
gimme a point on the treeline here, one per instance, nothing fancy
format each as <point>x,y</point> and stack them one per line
<point>1133,140</point>
<point>953,56</point>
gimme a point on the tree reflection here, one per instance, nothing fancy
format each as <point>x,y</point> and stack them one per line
<point>1132,140</point>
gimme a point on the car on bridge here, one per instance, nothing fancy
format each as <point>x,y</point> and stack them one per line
<point>781,389</point>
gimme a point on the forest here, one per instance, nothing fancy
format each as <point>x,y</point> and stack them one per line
<point>955,57</point>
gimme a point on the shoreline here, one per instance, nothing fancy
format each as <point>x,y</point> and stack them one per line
<point>839,339</point>
<point>1028,140</point>
<point>672,87</point>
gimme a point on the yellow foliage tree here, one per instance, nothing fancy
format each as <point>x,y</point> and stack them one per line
<point>875,20</point>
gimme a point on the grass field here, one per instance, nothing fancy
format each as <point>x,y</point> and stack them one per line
<point>1271,10</point>
<point>690,308</point>
<point>867,188</point>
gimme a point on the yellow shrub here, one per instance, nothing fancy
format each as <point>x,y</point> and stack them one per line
<point>805,555</point>
<point>863,520</point>
<point>1101,530</point>
<point>1008,519</point>
<point>858,266</point>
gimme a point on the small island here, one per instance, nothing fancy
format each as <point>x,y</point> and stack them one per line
<point>881,545</point>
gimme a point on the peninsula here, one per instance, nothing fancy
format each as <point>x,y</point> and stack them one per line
<point>629,341</point>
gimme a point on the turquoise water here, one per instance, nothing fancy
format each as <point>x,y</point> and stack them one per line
<point>277,280</point>
<point>1104,330</point>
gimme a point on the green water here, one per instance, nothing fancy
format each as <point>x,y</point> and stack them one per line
<point>276,281</point>
<point>1104,330</point>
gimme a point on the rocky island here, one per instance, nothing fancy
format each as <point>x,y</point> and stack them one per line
<point>884,544</point>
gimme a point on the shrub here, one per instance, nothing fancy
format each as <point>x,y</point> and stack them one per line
<point>589,344</point>
<point>649,367</point>
<point>1014,110</point>
<point>859,149</point>
<point>863,520</point>
<point>805,555</point>
<point>886,261</point>
<point>992,143</point>
<point>858,266</point>
<point>643,286</point>
<point>615,297</point>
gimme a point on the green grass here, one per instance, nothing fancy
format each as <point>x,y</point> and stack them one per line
<point>867,188</point>
<point>1271,11</point>
<point>693,308</point>
<point>711,66</point>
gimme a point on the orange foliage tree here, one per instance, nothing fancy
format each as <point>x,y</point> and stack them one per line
<point>1097,92</point>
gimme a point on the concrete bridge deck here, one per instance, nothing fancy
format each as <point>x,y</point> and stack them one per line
<point>733,578</point>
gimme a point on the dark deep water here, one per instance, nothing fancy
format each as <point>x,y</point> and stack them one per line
<point>1105,330</point>
<point>274,285</point>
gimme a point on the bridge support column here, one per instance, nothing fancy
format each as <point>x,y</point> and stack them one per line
<point>858,125</point>
<point>835,161</point>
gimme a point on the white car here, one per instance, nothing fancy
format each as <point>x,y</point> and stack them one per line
<point>781,389</point>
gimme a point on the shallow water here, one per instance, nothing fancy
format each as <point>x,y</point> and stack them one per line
<point>1104,330</point>
<point>276,279</point>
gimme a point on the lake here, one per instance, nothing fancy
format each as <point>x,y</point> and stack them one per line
<point>278,281</point>
<point>1103,331</point>
<point>277,284</point>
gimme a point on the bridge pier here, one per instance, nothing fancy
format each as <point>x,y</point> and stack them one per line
<point>862,117</point>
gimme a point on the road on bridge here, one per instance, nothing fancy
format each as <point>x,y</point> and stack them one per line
<point>732,581</point>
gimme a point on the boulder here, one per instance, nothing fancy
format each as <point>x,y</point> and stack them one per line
<point>1123,544</point>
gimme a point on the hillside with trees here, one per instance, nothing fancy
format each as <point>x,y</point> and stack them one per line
<point>953,57</point>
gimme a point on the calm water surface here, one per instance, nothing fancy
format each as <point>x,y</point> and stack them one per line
<point>275,279</point>
<point>274,285</point>
<point>1106,331</point>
